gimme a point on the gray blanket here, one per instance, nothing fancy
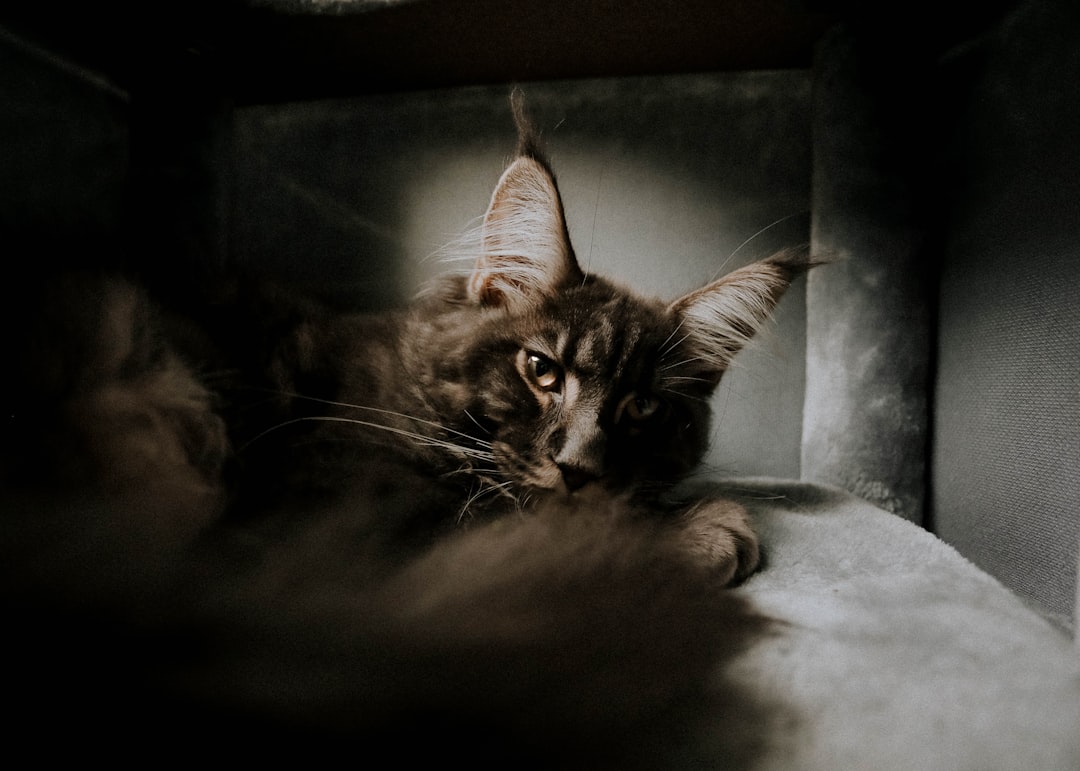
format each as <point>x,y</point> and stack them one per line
<point>894,652</point>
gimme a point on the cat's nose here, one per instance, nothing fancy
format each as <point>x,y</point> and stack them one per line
<point>581,457</point>
<point>575,477</point>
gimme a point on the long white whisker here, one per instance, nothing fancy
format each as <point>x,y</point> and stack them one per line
<point>426,440</point>
<point>738,248</point>
<point>391,413</point>
<point>664,347</point>
<point>684,378</point>
<point>682,363</point>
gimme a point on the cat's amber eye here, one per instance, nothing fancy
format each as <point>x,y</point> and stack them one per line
<point>637,407</point>
<point>543,372</point>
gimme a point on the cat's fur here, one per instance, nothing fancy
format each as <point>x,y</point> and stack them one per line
<point>450,529</point>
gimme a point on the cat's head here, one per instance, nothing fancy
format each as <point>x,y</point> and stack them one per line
<point>575,380</point>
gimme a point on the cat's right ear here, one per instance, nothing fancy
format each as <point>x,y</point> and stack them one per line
<point>525,254</point>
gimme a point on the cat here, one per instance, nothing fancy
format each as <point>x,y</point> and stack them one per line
<point>455,529</point>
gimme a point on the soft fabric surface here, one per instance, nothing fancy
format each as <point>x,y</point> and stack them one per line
<point>895,652</point>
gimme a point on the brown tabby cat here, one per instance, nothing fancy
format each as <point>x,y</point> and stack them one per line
<point>448,532</point>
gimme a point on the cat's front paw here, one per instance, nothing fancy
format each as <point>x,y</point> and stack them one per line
<point>717,534</point>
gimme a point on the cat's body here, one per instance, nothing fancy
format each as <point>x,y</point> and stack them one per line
<point>456,523</point>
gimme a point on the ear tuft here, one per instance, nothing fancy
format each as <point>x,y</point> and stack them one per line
<point>526,254</point>
<point>720,318</point>
<point>528,139</point>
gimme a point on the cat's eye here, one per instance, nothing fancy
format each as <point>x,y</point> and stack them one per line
<point>542,371</point>
<point>637,407</point>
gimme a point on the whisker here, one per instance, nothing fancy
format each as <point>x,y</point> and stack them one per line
<point>665,349</point>
<point>478,425</point>
<point>391,413</point>
<point>502,488</point>
<point>592,233</point>
<point>684,379</point>
<point>739,248</point>
<point>683,363</point>
<point>468,452</point>
<point>699,399</point>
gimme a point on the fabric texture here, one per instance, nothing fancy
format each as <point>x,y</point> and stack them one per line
<point>1006,449</point>
<point>894,651</point>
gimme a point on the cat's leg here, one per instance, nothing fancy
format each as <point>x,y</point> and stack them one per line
<point>717,533</point>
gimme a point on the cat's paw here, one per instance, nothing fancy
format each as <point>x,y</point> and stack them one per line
<point>717,534</point>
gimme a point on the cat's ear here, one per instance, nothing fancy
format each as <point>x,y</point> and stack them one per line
<point>720,318</point>
<point>525,254</point>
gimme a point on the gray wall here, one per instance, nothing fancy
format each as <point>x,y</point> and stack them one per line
<point>1006,461</point>
<point>667,182</point>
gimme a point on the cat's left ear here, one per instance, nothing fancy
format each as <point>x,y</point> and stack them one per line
<point>720,318</point>
<point>526,254</point>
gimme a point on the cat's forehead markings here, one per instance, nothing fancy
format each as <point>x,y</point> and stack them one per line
<point>597,341</point>
<point>606,349</point>
<point>543,343</point>
<point>561,343</point>
<point>594,342</point>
